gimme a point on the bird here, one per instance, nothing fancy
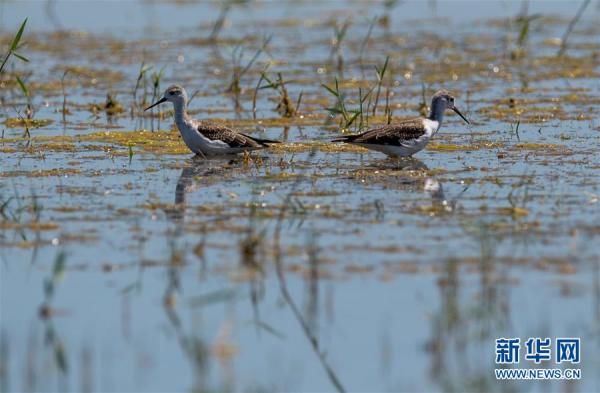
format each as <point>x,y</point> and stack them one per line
<point>203,137</point>
<point>407,137</point>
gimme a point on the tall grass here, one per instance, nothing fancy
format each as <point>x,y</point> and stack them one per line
<point>367,102</point>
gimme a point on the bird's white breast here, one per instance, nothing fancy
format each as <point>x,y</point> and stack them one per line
<point>431,127</point>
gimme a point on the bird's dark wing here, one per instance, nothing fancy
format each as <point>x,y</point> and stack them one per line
<point>224,134</point>
<point>391,134</point>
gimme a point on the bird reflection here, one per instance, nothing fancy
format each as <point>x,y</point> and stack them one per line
<point>428,184</point>
<point>406,164</point>
<point>194,168</point>
<point>435,190</point>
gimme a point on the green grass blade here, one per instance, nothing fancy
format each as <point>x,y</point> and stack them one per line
<point>329,89</point>
<point>17,38</point>
<point>334,110</point>
<point>23,87</point>
<point>351,120</point>
<point>20,57</point>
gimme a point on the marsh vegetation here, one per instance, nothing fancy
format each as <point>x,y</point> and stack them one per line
<point>127,264</point>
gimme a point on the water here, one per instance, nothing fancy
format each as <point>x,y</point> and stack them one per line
<point>312,266</point>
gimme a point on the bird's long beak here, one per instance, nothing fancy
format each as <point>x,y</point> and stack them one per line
<point>455,109</point>
<point>163,100</point>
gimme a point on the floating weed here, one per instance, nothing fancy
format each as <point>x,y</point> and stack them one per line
<point>19,122</point>
<point>513,211</point>
<point>481,145</point>
<point>539,146</point>
<point>41,173</point>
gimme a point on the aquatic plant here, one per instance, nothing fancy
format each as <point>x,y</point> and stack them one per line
<point>64,110</point>
<point>285,292</point>
<point>365,40</point>
<point>47,311</point>
<point>515,129</point>
<point>572,23</point>
<point>156,92</point>
<point>380,72</point>
<point>14,46</point>
<point>226,6</point>
<point>523,23</point>
<point>220,21</point>
<point>285,107</point>
<point>26,121</point>
<point>339,33</point>
<point>348,117</point>
<point>364,96</point>
<point>141,77</point>
<point>388,8</point>
<point>237,71</point>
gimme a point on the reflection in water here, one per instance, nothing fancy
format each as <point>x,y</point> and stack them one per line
<point>195,167</point>
<point>197,172</point>
<point>434,188</point>
<point>427,184</point>
<point>406,164</point>
<point>285,293</point>
<point>460,328</point>
<point>52,340</point>
<point>193,346</point>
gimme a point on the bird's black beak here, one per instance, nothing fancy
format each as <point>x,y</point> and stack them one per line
<point>458,113</point>
<point>164,99</point>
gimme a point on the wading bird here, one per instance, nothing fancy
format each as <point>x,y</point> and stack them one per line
<point>407,137</point>
<point>206,138</point>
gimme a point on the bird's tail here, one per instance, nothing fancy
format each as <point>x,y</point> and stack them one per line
<point>264,142</point>
<point>346,139</point>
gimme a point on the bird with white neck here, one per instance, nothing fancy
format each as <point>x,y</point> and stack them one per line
<point>407,137</point>
<point>205,138</point>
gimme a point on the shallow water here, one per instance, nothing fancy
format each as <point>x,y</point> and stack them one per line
<point>128,265</point>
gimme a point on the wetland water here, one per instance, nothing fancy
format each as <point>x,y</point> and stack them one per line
<point>127,265</point>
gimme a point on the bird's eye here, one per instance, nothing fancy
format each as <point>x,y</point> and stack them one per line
<point>171,93</point>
